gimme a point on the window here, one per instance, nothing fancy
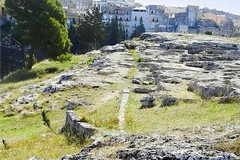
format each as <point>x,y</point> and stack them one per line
<point>135,18</point>
<point>151,12</point>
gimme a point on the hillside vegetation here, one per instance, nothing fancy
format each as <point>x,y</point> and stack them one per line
<point>195,94</point>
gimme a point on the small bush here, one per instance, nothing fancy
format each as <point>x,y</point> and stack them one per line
<point>140,59</point>
<point>51,70</point>
<point>208,33</point>
<point>89,61</point>
<point>64,57</point>
<point>132,51</point>
<point>40,73</point>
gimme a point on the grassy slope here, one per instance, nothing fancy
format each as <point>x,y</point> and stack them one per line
<point>24,135</point>
<point>182,116</point>
<point>37,74</point>
<point>28,137</point>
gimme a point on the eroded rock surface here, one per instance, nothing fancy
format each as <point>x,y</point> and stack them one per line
<point>190,144</point>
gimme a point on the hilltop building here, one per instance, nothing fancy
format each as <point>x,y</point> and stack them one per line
<point>156,18</point>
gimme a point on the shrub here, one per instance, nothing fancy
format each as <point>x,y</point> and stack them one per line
<point>40,73</point>
<point>132,51</point>
<point>51,70</point>
<point>140,59</point>
<point>208,33</point>
<point>89,61</point>
<point>64,57</point>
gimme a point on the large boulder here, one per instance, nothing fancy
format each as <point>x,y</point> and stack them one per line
<point>169,101</point>
<point>212,89</point>
<point>148,102</point>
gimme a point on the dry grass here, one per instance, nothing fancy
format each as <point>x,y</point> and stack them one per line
<point>103,116</point>
<point>182,116</point>
<point>39,72</point>
<point>233,147</point>
<point>28,137</point>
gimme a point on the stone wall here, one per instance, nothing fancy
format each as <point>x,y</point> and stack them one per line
<point>78,128</point>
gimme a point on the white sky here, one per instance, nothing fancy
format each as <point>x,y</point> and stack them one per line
<point>232,6</point>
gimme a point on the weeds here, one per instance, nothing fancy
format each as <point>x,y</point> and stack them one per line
<point>233,146</point>
<point>89,61</point>
<point>6,146</point>
<point>46,120</point>
<point>64,57</point>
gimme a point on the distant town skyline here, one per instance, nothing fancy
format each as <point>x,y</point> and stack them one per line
<point>231,6</point>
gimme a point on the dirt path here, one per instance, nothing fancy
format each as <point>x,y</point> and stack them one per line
<point>121,116</point>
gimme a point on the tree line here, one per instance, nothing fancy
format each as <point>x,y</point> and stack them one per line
<point>41,24</point>
<point>93,33</point>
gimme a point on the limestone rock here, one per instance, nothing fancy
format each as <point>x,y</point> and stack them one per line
<point>143,90</point>
<point>115,48</point>
<point>72,104</point>
<point>51,89</point>
<point>148,102</point>
<point>136,81</point>
<point>75,126</point>
<point>169,101</point>
<point>35,158</point>
<point>66,77</point>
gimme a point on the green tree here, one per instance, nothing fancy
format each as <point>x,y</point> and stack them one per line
<point>115,32</point>
<point>91,30</point>
<point>139,29</point>
<point>121,33</point>
<point>41,24</point>
<point>72,33</point>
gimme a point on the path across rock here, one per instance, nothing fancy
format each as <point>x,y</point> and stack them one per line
<point>121,116</point>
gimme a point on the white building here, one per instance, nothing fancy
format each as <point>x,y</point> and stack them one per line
<point>182,28</point>
<point>75,9</point>
<point>137,14</point>
<point>156,17</point>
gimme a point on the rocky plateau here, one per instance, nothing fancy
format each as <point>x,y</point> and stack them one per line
<point>175,67</point>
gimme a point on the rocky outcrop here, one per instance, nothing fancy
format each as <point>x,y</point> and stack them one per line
<point>212,89</point>
<point>148,102</point>
<point>139,147</point>
<point>115,48</point>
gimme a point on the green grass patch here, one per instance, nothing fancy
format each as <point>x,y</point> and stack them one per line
<point>184,115</point>
<point>27,137</point>
<point>39,72</point>
<point>131,73</point>
<point>104,116</point>
<point>136,56</point>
